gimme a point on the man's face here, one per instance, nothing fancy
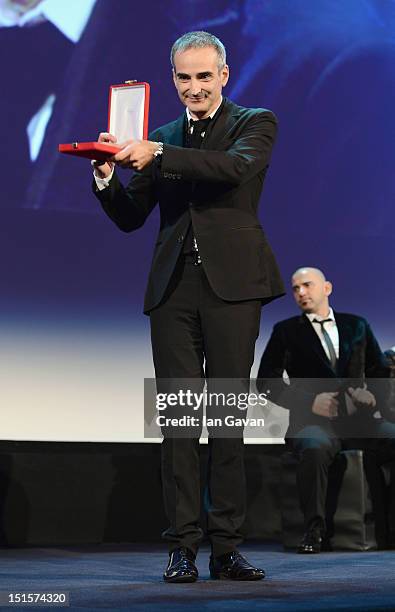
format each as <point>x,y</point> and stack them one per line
<point>198,80</point>
<point>311,291</point>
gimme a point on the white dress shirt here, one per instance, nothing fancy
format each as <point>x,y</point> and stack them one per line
<point>330,327</point>
<point>333,333</point>
<point>190,118</point>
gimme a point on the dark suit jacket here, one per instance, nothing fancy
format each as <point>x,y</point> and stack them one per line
<point>216,187</point>
<point>295,347</point>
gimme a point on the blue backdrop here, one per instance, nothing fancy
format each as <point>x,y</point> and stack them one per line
<point>73,285</point>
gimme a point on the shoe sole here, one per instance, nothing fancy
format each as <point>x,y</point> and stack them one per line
<point>181,579</point>
<point>308,552</point>
<point>246,579</point>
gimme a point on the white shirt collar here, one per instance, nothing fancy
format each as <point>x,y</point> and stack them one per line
<point>70,17</point>
<point>311,316</point>
<point>189,116</point>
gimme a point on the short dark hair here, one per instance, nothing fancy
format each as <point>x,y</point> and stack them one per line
<point>199,40</point>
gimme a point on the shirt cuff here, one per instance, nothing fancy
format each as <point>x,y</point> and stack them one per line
<point>102,183</point>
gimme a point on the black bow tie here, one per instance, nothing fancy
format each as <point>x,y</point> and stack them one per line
<point>197,131</point>
<point>199,125</point>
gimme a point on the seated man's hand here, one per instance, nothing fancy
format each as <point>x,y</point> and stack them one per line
<point>135,154</point>
<point>326,405</point>
<point>103,169</point>
<point>361,397</point>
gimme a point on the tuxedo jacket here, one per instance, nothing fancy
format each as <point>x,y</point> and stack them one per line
<point>295,347</point>
<point>217,189</point>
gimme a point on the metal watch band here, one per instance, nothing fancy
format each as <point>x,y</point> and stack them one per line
<point>159,150</point>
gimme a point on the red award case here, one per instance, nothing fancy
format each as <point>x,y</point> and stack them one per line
<point>128,109</point>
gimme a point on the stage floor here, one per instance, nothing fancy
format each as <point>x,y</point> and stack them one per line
<point>129,577</point>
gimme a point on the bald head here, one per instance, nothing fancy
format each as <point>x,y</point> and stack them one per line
<point>316,272</point>
<point>311,291</point>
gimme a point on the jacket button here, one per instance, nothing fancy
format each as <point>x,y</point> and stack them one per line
<point>180,238</point>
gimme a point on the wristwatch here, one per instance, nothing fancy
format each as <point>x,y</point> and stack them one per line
<point>159,152</point>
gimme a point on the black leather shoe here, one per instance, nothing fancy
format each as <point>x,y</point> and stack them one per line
<point>181,566</point>
<point>233,566</point>
<point>311,542</point>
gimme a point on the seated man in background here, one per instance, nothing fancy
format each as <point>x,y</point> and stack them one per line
<point>332,408</point>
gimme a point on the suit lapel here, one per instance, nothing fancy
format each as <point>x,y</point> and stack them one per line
<point>175,133</point>
<point>346,334</point>
<point>311,339</point>
<point>222,124</point>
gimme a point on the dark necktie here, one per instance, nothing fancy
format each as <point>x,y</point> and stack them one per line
<point>328,341</point>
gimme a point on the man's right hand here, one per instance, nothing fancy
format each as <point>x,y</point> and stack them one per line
<point>326,405</point>
<point>104,169</point>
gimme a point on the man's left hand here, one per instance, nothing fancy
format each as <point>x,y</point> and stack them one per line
<point>361,397</point>
<point>135,154</point>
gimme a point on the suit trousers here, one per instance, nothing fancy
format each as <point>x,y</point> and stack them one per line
<point>197,335</point>
<point>316,448</point>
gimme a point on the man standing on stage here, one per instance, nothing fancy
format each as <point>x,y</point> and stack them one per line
<point>212,271</point>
